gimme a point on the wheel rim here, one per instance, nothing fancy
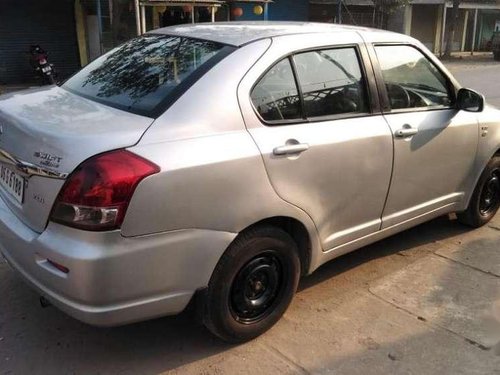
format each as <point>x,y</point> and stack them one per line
<point>256,288</point>
<point>490,195</point>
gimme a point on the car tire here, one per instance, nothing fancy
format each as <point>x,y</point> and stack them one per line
<point>252,285</point>
<point>485,200</point>
<point>496,55</point>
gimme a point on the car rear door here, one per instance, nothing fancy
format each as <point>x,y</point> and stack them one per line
<point>313,113</point>
<point>434,143</point>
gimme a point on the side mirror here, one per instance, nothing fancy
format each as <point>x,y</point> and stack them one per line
<point>470,101</point>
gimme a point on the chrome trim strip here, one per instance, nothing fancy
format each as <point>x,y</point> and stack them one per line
<point>28,169</point>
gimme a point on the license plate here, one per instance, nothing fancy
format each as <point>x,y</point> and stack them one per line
<point>12,183</point>
<point>46,69</point>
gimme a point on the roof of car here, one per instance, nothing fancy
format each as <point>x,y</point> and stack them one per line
<point>241,33</point>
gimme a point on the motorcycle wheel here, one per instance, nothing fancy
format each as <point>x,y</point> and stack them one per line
<point>50,79</point>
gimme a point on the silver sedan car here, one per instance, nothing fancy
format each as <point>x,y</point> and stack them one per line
<point>219,163</point>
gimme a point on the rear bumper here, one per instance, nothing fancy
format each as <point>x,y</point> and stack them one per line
<point>112,280</point>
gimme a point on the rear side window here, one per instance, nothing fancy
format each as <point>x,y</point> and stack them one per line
<point>331,82</point>
<point>276,96</point>
<point>142,73</point>
<point>411,79</point>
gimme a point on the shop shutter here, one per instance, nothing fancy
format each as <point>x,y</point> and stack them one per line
<point>49,23</point>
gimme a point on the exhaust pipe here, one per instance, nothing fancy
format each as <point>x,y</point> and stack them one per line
<point>44,302</point>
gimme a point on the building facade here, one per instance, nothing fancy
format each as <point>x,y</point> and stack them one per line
<point>75,32</point>
<point>428,20</point>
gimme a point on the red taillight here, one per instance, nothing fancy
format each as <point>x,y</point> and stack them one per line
<point>96,195</point>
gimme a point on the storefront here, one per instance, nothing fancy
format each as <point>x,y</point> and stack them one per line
<point>104,24</point>
<point>353,12</point>
<point>75,32</point>
<point>151,14</point>
<point>428,20</point>
<point>49,23</point>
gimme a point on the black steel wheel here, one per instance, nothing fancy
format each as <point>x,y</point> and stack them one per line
<point>252,285</point>
<point>485,200</point>
<point>490,195</point>
<point>256,288</point>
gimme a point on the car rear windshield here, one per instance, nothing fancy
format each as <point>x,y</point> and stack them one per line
<point>146,74</point>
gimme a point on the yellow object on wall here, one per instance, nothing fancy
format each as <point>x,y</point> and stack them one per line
<point>258,10</point>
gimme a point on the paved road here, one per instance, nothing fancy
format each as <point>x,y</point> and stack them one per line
<point>426,301</point>
<point>482,75</point>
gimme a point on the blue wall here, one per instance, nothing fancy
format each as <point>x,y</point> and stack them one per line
<point>279,10</point>
<point>289,10</point>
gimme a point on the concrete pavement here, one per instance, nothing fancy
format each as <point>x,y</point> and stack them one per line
<point>5,89</point>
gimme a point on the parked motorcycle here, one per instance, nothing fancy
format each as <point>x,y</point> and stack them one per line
<point>39,62</point>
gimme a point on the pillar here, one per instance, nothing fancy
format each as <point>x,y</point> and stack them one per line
<point>464,33</point>
<point>407,19</point>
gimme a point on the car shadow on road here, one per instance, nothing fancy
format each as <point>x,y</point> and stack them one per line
<point>409,243</point>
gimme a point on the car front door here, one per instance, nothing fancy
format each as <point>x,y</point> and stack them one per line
<point>325,147</point>
<point>434,143</point>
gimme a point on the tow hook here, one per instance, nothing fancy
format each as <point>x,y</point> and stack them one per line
<point>44,302</point>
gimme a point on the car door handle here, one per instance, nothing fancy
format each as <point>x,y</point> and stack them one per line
<point>291,149</point>
<point>406,131</point>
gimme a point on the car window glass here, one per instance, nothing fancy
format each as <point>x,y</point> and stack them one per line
<point>331,82</point>
<point>276,96</point>
<point>138,75</point>
<point>412,81</point>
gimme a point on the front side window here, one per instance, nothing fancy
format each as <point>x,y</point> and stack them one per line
<point>275,97</point>
<point>138,75</point>
<point>412,81</point>
<point>331,82</point>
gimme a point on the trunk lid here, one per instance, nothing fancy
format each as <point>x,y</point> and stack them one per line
<point>52,131</point>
